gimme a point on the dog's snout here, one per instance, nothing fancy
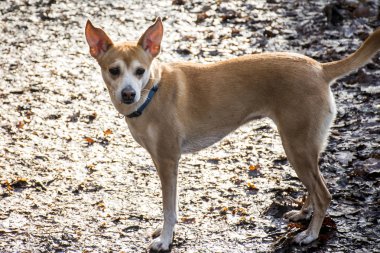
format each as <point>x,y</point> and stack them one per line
<point>128,95</point>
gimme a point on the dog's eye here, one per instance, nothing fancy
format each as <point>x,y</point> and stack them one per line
<point>140,71</point>
<point>115,71</point>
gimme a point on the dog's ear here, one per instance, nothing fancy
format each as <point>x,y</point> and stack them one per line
<point>150,41</point>
<point>97,39</point>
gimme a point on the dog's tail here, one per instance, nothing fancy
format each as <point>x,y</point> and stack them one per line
<point>336,69</point>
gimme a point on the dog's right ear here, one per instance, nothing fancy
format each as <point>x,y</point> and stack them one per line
<point>97,39</point>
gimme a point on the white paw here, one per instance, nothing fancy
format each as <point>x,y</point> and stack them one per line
<point>297,215</point>
<point>305,237</point>
<point>159,245</point>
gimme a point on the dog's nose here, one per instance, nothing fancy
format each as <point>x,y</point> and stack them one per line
<point>128,95</point>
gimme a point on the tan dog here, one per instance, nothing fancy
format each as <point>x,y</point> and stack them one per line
<point>196,105</point>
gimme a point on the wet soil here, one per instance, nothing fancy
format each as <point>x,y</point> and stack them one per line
<point>73,179</point>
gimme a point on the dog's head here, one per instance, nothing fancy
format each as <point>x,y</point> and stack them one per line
<point>125,66</point>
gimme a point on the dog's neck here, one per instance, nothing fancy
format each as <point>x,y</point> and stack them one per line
<point>149,98</point>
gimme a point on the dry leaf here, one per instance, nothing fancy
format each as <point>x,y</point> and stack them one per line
<point>251,186</point>
<point>92,116</point>
<point>201,17</point>
<point>223,211</point>
<point>89,140</point>
<point>107,132</point>
<point>254,167</point>
<point>8,185</point>
<point>103,225</point>
<point>235,32</point>
<point>329,223</point>
<point>90,167</point>
<point>178,2</point>
<point>101,205</point>
<point>19,182</point>
<point>187,220</point>
<point>20,124</point>
<point>296,225</point>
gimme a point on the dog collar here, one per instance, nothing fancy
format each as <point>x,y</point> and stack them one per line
<point>140,110</point>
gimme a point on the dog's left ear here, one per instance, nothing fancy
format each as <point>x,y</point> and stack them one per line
<point>97,39</point>
<point>150,41</point>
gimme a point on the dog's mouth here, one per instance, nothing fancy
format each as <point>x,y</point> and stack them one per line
<point>128,102</point>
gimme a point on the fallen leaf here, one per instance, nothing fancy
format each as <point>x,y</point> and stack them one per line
<point>93,116</point>
<point>328,229</point>
<point>183,50</point>
<point>235,31</point>
<point>187,220</point>
<point>189,38</point>
<point>245,221</point>
<point>7,185</point>
<point>107,132</point>
<point>90,167</point>
<point>178,2</point>
<point>329,223</point>
<point>89,140</point>
<point>132,228</point>
<point>239,211</point>
<point>21,179</point>
<point>229,14</point>
<point>19,182</point>
<point>251,186</point>
<point>296,225</point>
<point>101,205</point>
<point>20,124</point>
<point>103,225</point>
<point>254,167</point>
<point>223,211</point>
<point>201,17</point>
<point>209,36</point>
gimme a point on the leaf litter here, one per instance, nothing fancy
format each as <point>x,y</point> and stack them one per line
<point>56,121</point>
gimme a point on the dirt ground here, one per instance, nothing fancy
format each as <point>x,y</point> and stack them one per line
<point>73,179</point>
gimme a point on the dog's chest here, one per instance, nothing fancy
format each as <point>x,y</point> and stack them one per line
<point>144,136</point>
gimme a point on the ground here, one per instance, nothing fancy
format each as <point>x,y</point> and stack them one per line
<point>73,179</point>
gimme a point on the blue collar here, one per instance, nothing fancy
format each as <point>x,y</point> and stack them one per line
<point>140,110</point>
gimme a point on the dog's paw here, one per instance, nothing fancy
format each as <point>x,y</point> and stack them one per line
<point>159,245</point>
<point>297,215</point>
<point>305,237</point>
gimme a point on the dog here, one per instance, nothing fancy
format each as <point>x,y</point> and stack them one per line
<point>179,108</point>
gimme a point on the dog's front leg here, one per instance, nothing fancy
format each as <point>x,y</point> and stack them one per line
<point>167,170</point>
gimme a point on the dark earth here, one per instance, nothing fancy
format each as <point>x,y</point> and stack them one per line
<point>73,179</point>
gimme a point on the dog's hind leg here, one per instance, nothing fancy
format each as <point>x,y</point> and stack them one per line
<point>303,138</point>
<point>303,156</point>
